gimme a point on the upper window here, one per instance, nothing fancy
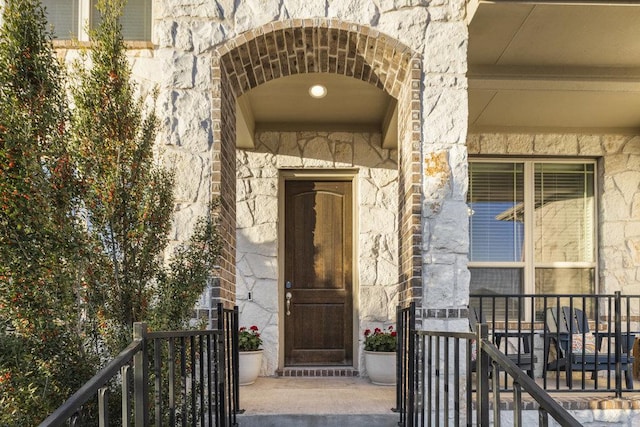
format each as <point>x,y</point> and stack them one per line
<point>71,18</point>
<point>532,226</point>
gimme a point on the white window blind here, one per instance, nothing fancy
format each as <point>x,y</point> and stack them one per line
<point>62,17</point>
<point>496,200</point>
<point>564,204</point>
<point>135,19</point>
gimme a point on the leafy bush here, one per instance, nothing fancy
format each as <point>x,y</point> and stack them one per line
<point>42,354</point>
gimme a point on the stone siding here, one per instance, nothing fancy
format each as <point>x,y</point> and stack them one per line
<point>203,53</point>
<point>376,188</point>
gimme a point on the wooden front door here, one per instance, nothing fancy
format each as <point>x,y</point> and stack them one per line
<point>318,273</point>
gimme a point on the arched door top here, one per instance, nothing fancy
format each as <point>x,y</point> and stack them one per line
<point>284,48</point>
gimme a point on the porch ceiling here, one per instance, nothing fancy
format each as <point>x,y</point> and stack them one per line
<point>554,66</point>
<point>284,104</point>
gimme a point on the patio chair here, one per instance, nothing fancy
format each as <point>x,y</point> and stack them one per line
<point>567,332</point>
<point>526,359</point>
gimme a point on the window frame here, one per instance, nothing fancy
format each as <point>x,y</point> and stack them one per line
<point>529,264</point>
<point>86,13</point>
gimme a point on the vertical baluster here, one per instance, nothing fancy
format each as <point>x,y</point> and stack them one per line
<point>456,383</point>
<point>618,341</point>
<point>517,405</point>
<point>157,369</point>
<point>482,372</point>
<point>429,392</point>
<point>495,377</point>
<point>224,417</point>
<point>418,376</point>
<point>209,373</point>
<point>596,311</point>
<point>469,390</point>
<point>445,379</point>
<point>217,375</point>
<point>103,407</point>
<point>201,356</point>
<point>125,372</point>
<point>436,399</point>
<point>192,351</point>
<point>183,379</point>
<point>172,382</point>
<point>543,418</point>
<point>141,376</point>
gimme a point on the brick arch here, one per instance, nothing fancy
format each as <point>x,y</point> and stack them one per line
<point>285,48</point>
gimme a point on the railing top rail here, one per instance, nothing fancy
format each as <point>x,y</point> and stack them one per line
<point>551,296</point>
<point>519,376</point>
<point>91,387</point>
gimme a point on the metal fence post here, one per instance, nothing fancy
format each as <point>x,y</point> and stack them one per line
<point>411,363</point>
<point>618,340</point>
<point>399,359</point>
<point>483,376</point>
<point>140,376</point>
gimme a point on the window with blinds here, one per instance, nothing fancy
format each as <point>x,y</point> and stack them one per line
<point>135,19</point>
<point>532,226</point>
<point>70,18</point>
<point>62,17</point>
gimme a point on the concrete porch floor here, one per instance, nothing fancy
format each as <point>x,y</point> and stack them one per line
<point>317,401</point>
<point>317,395</point>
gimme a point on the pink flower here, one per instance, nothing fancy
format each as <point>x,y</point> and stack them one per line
<point>254,328</point>
<point>367,332</point>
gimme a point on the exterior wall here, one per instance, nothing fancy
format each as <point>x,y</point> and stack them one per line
<point>619,193</point>
<point>376,249</point>
<point>420,60</point>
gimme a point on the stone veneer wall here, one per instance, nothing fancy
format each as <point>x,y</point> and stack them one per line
<point>619,192</point>
<point>375,196</point>
<point>428,36</point>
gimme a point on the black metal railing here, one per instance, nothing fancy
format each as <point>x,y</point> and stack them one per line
<point>490,362</point>
<point>405,359</point>
<point>228,323</point>
<point>564,335</point>
<point>163,379</point>
<point>441,389</point>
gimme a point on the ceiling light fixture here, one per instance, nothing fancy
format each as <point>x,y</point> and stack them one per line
<point>318,91</point>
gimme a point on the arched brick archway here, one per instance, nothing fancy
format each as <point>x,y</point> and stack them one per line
<point>284,48</point>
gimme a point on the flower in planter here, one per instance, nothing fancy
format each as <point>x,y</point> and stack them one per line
<point>380,340</point>
<point>249,339</point>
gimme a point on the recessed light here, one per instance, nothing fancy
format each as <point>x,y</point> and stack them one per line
<point>318,91</point>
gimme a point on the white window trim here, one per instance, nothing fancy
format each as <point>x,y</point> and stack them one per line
<point>84,19</point>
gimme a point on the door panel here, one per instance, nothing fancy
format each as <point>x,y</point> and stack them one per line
<point>318,266</point>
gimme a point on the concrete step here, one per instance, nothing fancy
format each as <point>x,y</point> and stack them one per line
<point>319,420</point>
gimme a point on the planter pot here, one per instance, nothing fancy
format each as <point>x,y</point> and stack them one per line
<point>250,363</point>
<point>381,367</point>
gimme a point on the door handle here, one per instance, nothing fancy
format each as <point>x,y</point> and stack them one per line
<point>288,296</point>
